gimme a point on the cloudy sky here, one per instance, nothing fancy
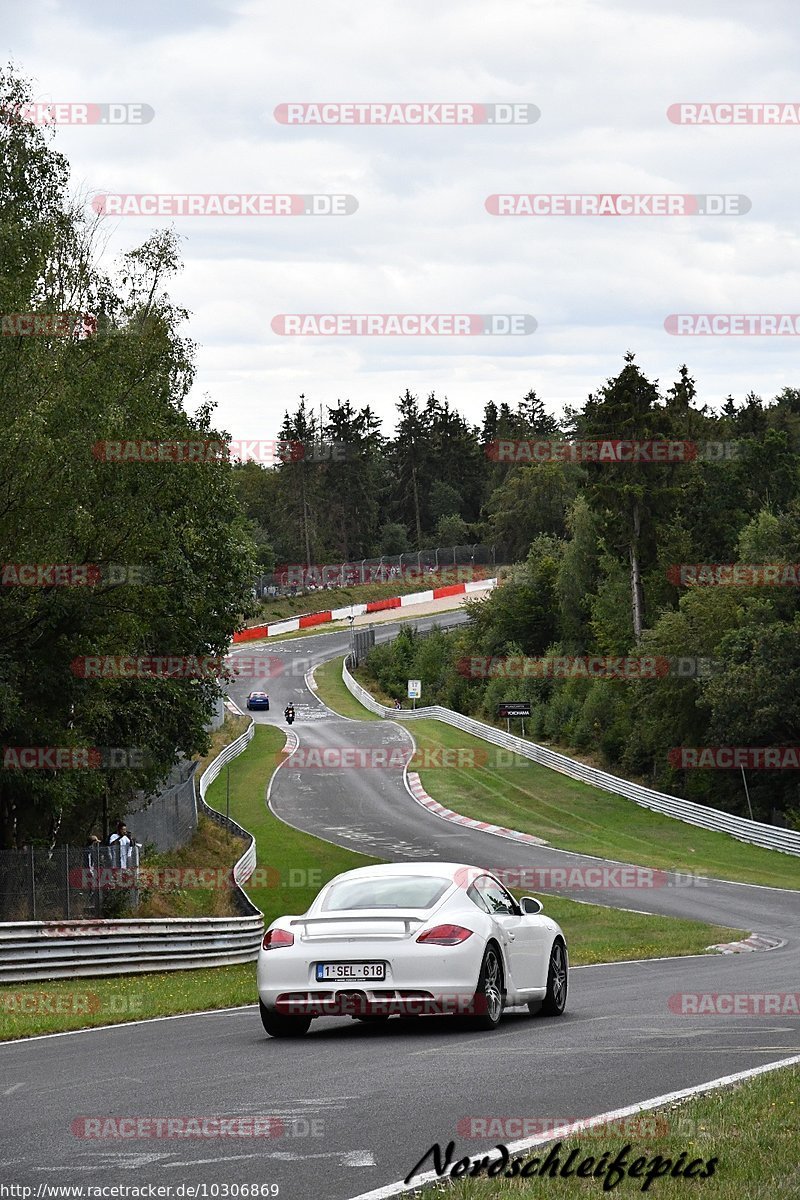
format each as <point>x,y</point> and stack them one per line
<point>602,73</point>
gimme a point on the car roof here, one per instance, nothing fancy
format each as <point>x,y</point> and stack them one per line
<point>437,870</point>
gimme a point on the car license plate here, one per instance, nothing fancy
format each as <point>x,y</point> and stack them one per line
<point>353,972</point>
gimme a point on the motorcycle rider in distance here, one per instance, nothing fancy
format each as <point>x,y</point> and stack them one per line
<point>288,712</point>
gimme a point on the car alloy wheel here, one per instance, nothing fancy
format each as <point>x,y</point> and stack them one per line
<point>555,999</point>
<point>488,999</point>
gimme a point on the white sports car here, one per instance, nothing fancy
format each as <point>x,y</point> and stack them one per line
<point>411,939</point>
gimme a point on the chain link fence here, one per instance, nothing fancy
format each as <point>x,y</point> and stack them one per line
<point>76,883</point>
<point>72,883</point>
<point>361,642</point>
<point>168,819</point>
<point>475,561</point>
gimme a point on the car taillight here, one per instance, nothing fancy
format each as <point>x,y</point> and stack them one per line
<point>445,935</point>
<point>275,938</point>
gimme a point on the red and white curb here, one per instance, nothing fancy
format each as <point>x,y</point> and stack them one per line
<point>421,796</point>
<point>309,620</point>
<point>754,942</point>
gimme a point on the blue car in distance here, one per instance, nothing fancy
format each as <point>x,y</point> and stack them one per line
<point>258,700</point>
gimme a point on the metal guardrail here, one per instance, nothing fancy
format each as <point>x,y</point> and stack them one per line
<point>246,865</point>
<point>36,950</point>
<point>756,833</point>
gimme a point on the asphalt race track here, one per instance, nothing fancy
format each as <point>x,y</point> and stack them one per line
<point>368,1101</point>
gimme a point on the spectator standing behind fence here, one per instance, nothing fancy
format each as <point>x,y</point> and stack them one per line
<point>122,842</point>
<point>91,857</point>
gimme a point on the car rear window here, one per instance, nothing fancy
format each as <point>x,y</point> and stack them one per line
<point>412,891</point>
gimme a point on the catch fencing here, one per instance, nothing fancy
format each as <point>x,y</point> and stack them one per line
<point>38,949</point>
<point>757,833</point>
<point>41,884</point>
<point>168,819</point>
<point>299,577</point>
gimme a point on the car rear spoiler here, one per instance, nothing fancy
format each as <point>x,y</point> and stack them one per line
<point>408,922</point>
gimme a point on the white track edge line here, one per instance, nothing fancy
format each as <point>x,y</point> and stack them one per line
<point>398,1188</point>
<point>203,1012</point>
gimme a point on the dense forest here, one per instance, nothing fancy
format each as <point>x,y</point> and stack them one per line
<point>626,626</point>
<point>351,492</point>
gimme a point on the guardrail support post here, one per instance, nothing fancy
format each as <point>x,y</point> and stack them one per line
<point>33,885</point>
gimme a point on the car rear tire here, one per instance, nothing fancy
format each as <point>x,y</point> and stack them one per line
<point>555,999</point>
<point>488,1001</point>
<point>279,1025</point>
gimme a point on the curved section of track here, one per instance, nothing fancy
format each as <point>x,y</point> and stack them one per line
<point>365,1102</point>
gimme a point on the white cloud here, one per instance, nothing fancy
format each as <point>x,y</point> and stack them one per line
<point>603,75</point>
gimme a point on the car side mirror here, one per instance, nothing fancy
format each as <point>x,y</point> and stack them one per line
<point>530,906</point>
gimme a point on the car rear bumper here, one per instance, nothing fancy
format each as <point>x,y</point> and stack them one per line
<point>357,1001</point>
<point>445,983</point>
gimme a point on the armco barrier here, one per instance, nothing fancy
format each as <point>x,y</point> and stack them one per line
<point>35,950</point>
<point>309,620</point>
<point>787,841</point>
<point>246,865</point>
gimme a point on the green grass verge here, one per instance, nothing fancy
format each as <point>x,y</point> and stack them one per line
<point>598,934</point>
<point>28,1009</point>
<point>508,790</point>
<point>292,866</point>
<point>211,846</point>
<point>512,791</point>
<point>751,1129</point>
<point>284,607</point>
<point>332,692</point>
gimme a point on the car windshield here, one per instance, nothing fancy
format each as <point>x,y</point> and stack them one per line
<point>406,891</point>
